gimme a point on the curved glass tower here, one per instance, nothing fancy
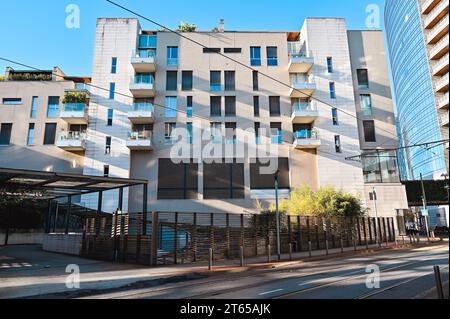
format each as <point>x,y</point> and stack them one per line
<point>417,118</point>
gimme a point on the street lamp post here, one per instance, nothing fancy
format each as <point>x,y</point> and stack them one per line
<point>424,200</point>
<point>377,229</point>
<point>277,216</point>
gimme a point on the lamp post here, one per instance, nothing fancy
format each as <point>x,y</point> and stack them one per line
<point>377,229</point>
<point>445,176</point>
<point>277,215</point>
<point>425,212</point>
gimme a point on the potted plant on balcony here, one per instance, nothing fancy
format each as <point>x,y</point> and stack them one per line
<point>75,98</point>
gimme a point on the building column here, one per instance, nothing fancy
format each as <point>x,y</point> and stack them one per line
<point>67,217</point>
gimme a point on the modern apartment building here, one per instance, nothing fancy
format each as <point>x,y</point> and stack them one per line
<point>314,97</point>
<point>417,35</point>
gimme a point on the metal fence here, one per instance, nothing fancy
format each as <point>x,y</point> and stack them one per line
<point>173,238</point>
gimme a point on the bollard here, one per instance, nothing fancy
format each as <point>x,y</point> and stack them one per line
<point>310,249</point>
<point>290,251</point>
<point>269,255</point>
<point>437,276</point>
<point>342,245</point>
<point>210,261</point>
<point>242,256</point>
<point>326,247</point>
<point>354,245</point>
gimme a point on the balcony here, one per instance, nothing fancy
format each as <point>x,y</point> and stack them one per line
<point>443,119</point>
<point>303,87</point>
<point>142,87</point>
<point>307,139</point>
<point>300,62</point>
<point>74,113</point>
<point>440,67</point>
<point>80,88</point>
<point>441,84</point>
<point>72,141</point>
<point>443,101</point>
<point>140,141</point>
<point>428,5</point>
<point>141,113</point>
<point>436,14</point>
<point>439,49</point>
<point>438,32</point>
<point>143,61</point>
<point>305,113</point>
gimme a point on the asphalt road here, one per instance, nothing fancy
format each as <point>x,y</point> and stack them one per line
<point>401,274</point>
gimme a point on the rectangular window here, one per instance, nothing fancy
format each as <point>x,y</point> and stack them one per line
<point>255,56</point>
<point>334,114</point>
<point>330,64</point>
<point>114,66</point>
<point>276,133</point>
<point>30,138</point>
<point>380,167</point>
<point>272,56</point>
<point>171,80</point>
<point>216,106</point>
<point>230,133</point>
<point>332,90</point>
<point>337,143</point>
<point>274,106</point>
<point>366,104</point>
<point>169,133</point>
<point>53,107</point>
<point>108,143</point>
<point>259,179</point>
<point>177,181</point>
<point>110,117</point>
<point>143,78</point>
<point>255,81</point>
<point>211,50</point>
<point>223,181</point>
<point>369,131</point>
<point>230,80</point>
<point>256,106</point>
<point>187,80</point>
<point>215,81</point>
<point>172,56</point>
<point>363,78</point>
<point>34,106</point>
<point>232,50</point>
<point>230,106</point>
<point>189,107</point>
<point>257,133</point>
<point>147,41</point>
<point>112,90</point>
<point>171,107</point>
<point>106,170</point>
<point>190,132</point>
<point>5,133</point>
<point>12,101</point>
<point>216,132</point>
<point>50,134</point>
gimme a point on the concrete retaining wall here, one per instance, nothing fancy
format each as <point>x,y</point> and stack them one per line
<point>64,244</point>
<point>28,238</point>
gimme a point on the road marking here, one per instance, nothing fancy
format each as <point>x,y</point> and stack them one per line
<point>269,292</point>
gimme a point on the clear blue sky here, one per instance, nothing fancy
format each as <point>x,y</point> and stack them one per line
<point>35,33</point>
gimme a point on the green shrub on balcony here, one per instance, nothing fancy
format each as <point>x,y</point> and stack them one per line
<point>75,97</point>
<point>30,77</point>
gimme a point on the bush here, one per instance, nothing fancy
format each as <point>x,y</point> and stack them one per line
<point>30,77</point>
<point>75,97</point>
<point>186,27</point>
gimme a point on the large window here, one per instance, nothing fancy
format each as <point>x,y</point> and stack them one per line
<point>172,56</point>
<point>261,176</point>
<point>276,133</point>
<point>369,131</point>
<point>171,107</point>
<point>380,167</point>
<point>171,80</point>
<point>255,56</point>
<point>272,56</point>
<point>230,133</point>
<point>274,106</point>
<point>230,80</point>
<point>187,80</point>
<point>50,134</point>
<point>366,105</point>
<point>223,181</point>
<point>230,106</point>
<point>215,81</point>
<point>363,78</point>
<point>169,136</point>
<point>5,133</point>
<point>177,181</point>
<point>216,132</point>
<point>34,107</point>
<point>147,41</point>
<point>216,106</point>
<point>53,107</point>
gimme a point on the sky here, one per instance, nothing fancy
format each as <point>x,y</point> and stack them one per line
<point>35,32</point>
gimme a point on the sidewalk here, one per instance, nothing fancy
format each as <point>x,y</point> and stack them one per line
<point>27,271</point>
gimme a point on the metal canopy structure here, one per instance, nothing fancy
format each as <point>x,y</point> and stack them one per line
<point>60,185</point>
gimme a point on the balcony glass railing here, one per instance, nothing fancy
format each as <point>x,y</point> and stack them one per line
<point>305,107</point>
<point>140,136</point>
<point>81,87</point>
<point>142,79</point>
<point>74,107</point>
<point>312,134</point>
<point>144,53</point>
<point>297,79</point>
<point>72,136</point>
<point>142,107</point>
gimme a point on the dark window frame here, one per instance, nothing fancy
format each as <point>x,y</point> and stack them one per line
<point>187,80</point>
<point>5,134</point>
<point>188,177</point>
<point>171,80</point>
<point>369,136</point>
<point>234,185</point>
<point>50,139</point>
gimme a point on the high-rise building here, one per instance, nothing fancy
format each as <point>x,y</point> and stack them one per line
<point>417,35</point>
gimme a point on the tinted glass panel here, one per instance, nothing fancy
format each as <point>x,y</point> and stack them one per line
<point>50,134</point>
<point>5,133</point>
<point>171,81</point>
<point>187,82</point>
<point>260,180</point>
<point>274,106</point>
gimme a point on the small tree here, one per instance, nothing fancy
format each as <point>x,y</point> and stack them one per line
<point>186,27</point>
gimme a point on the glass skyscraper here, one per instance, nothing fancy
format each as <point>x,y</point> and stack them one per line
<point>417,118</point>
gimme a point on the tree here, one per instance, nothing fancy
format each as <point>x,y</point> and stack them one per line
<point>326,202</point>
<point>186,27</point>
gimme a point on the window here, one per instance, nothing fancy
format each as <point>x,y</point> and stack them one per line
<point>230,106</point>
<point>171,80</point>
<point>257,133</point>
<point>215,81</point>
<point>363,78</point>
<point>53,107</point>
<point>114,66</point>
<point>380,167</point>
<point>211,50</point>
<point>230,133</point>
<point>256,106</point>
<point>232,50</point>
<point>110,117</point>
<point>334,114</point>
<point>255,56</point>
<point>330,64</point>
<point>366,104</point>
<point>169,133</point>
<point>5,133</point>
<point>112,90</point>
<point>12,101</point>
<point>230,80</point>
<point>276,133</point>
<point>108,143</point>
<point>177,181</point>
<point>261,179</point>
<point>106,170</point>
<point>216,132</point>
<point>369,131</point>
<point>172,56</point>
<point>190,132</point>
<point>187,80</point>
<point>337,143</point>
<point>272,56</point>
<point>171,107</point>
<point>147,41</point>
<point>274,106</point>
<point>143,78</point>
<point>30,138</point>
<point>332,90</point>
<point>50,134</point>
<point>223,181</point>
<point>189,107</point>
<point>216,106</point>
<point>255,81</point>
<point>34,106</point>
